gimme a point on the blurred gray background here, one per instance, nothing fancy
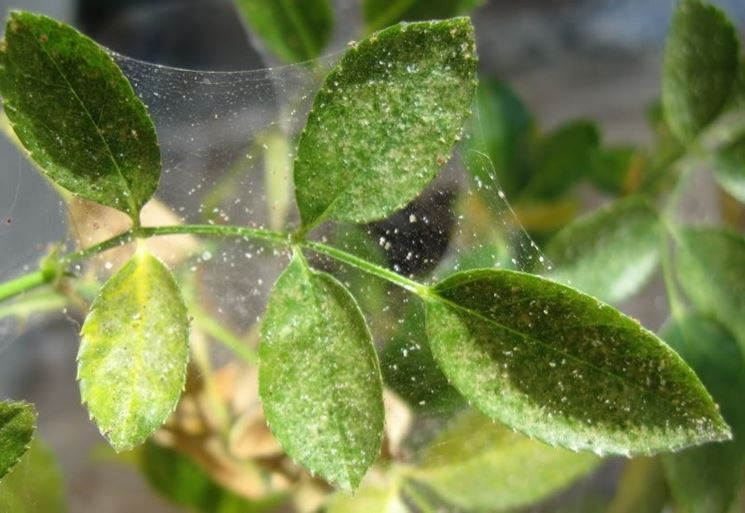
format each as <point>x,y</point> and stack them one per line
<point>567,58</point>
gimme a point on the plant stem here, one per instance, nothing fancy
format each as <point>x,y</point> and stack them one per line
<point>36,279</point>
<point>23,283</point>
<point>368,267</point>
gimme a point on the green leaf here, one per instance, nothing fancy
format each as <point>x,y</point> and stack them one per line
<point>563,157</point>
<point>613,168</point>
<point>610,253</point>
<point>371,498</point>
<point>711,272</point>
<point>185,483</point>
<point>134,351</point>
<point>295,30</point>
<point>76,113</point>
<point>379,14</point>
<point>699,67</point>
<point>706,479</point>
<point>563,367</point>
<point>17,424</point>
<point>641,489</point>
<point>476,464</point>
<point>504,129</point>
<point>409,368</point>
<point>319,377</point>
<point>729,168</point>
<point>35,485</point>
<point>385,121</point>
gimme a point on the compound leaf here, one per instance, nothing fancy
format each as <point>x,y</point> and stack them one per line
<point>295,30</point>
<point>77,114</point>
<point>134,350</point>
<point>610,253</point>
<point>478,465</point>
<point>385,121</point>
<point>706,479</point>
<point>562,367</point>
<point>35,485</point>
<point>319,377</point>
<point>700,65</point>
<point>17,424</point>
<point>711,272</point>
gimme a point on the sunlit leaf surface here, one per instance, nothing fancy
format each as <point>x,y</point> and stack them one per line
<point>133,352</point>
<point>565,368</point>
<point>319,376</point>
<point>385,121</point>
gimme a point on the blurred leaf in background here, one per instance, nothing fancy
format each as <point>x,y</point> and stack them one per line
<point>294,30</point>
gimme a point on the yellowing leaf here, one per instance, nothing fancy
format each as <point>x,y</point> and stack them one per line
<point>134,351</point>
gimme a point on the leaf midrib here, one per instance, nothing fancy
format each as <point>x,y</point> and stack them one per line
<point>110,154</point>
<point>332,412</point>
<point>545,345</point>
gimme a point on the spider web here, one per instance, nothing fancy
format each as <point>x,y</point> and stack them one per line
<point>217,132</point>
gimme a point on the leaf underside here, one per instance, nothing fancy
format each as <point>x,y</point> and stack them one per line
<point>319,377</point>
<point>134,350</point>
<point>77,114</point>
<point>17,424</point>
<point>385,121</point>
<point>565,368</point>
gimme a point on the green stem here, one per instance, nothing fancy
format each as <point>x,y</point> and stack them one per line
<point>36,279</point>
<point>368,267</point>
<point>23,283</point>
